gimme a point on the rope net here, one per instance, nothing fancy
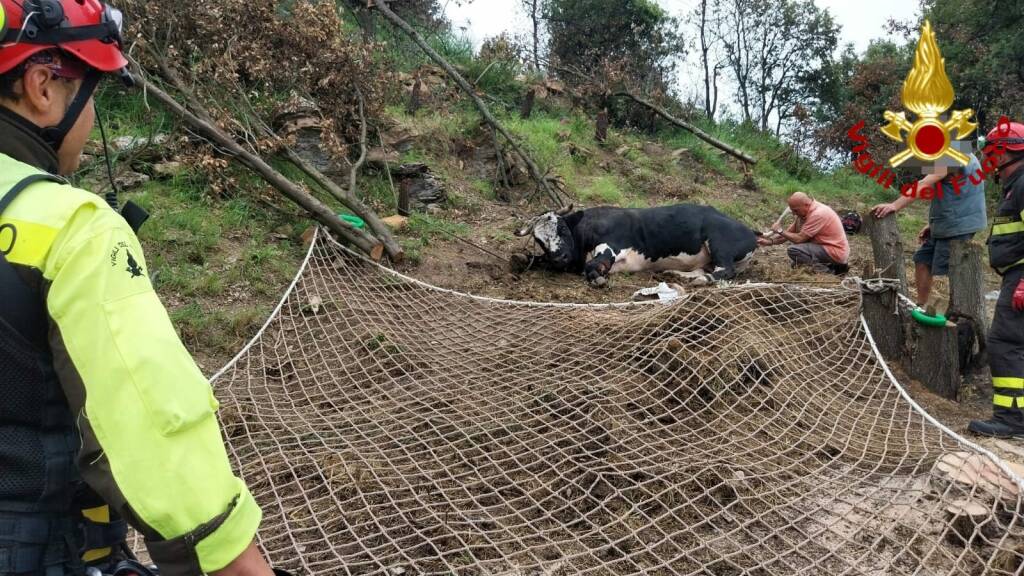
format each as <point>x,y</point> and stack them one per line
<point>389,427</point>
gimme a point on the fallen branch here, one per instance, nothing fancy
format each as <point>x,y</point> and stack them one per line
<point>321,212</point>
<point>475,245</point>
<point>347,198</point>
<point>735,152</point>
<point>535,172</point>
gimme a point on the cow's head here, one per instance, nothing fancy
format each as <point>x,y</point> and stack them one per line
<point>554,236</point>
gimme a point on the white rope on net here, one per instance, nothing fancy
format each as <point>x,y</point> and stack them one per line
<point>391,427</point>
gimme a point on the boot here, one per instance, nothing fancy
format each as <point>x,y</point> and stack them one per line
<point>1005,423</point>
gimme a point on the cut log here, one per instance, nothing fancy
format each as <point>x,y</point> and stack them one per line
<point>967,518</point>
<point>935,360</point>
<point>958,474</point>
<point>880,313</point>
<point>396,222</point>
<point>888,248</point>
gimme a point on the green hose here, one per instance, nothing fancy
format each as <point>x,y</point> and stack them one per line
<point>926,320</point>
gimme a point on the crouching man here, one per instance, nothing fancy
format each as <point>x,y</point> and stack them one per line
<point>817,235</point>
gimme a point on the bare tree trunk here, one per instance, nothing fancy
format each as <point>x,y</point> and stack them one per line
<point>535,15</point>
<point>887,247</point>
<point>535,172</point>
<point>735,152</point>
<point>294,192</point>
<point>704,50</point>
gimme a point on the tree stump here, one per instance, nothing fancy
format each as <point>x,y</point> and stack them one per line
<point>967,518</point>
<point>527,110</point>
<point>602,126</point>
<point>967,283</point>
<point>886,326</point>
<point>887,247</point>
<point>936,360</point>
<point>416,98</point>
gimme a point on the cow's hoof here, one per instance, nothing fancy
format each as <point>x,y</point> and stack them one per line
<point>519,263</point>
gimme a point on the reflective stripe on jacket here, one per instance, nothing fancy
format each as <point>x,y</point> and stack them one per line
<point>151,443</point>
<point>1006,242</point>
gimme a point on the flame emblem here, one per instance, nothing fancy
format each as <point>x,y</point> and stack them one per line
<point>928,93</point>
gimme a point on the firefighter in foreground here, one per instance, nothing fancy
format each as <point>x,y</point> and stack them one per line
<point>1006,255</point>
<point>104,415</point>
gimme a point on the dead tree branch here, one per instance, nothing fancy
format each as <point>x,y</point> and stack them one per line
<point>735,152</point>
<point>293,191</point>
<point>347,198</point>
<point>535,172</point>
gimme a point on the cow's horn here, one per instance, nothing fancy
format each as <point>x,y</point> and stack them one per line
<point>564,211</point>
<point>526,230</point>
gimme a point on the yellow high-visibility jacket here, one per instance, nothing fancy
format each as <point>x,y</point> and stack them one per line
<point>151,443</point>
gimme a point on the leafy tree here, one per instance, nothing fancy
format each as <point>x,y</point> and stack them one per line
<point>776,50</point>
<point>427,13</point>
<point>983,44</point>
<point>635,36</point>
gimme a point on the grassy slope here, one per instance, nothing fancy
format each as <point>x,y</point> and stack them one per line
<point>221,261</point>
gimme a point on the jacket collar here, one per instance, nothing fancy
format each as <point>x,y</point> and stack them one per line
<point>24,144</point>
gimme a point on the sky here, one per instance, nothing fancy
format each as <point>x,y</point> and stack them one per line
<point>861,21</point>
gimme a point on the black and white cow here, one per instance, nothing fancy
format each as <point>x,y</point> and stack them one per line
<point>602,241</point>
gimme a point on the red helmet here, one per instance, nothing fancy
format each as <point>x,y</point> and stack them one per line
<point>87,29</point>
<point>1009,135</point>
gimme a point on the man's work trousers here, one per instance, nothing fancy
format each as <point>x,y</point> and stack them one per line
<point>1006,354</point>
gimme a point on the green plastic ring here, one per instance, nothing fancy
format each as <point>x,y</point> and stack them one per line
<point>922,318</point>
<point>355,221</point>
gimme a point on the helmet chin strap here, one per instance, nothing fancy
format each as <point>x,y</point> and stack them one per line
<point>55,135</point>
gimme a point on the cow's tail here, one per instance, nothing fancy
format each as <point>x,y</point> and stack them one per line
<point>757,233</point>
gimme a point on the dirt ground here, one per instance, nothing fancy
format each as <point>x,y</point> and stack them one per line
<point>463,267</point>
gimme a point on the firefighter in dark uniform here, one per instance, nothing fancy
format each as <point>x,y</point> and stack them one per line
<point>1006,256</point>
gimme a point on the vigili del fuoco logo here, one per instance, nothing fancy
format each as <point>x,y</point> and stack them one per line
<point>933,136</point>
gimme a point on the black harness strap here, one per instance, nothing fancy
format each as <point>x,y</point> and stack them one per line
<point>20,307</point>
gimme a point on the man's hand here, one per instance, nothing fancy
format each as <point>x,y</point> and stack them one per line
<point>1018,297</point>
<point>883,210</point>
<point>765,241</point>
<point>922,237</point>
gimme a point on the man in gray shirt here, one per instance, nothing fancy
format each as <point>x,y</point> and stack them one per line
<point>957,211</point>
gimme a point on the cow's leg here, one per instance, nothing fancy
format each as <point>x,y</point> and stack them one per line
<point>599,267</point>
<point>723,258</point>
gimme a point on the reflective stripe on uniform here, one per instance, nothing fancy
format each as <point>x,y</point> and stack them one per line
<point>1004,269</point>
<point>1010,228</point>
<point>1006,382</point>
<point>1007,401</point>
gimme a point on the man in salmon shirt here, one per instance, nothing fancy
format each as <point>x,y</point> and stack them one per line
<point>818,238</point>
